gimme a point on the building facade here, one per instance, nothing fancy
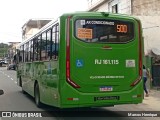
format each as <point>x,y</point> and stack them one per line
<point>32,26</point>
<point>114,6</point>
<point>134,7</point>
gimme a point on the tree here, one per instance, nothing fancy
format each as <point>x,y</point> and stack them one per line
<point>3,49</point>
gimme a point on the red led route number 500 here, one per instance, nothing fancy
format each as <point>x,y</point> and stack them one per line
<point>122,28</point>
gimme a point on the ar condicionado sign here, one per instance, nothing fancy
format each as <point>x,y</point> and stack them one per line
<point>84,33</point>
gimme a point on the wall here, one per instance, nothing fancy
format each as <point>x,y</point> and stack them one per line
<point>151,32</point>
<point>149,13</point>
<point>103,8</point>
<point>31,32</point>
<point>124,6</point>
<point>92,2</point>
<point>145,7</point>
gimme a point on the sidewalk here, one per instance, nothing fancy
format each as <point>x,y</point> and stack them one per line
<point>153,101</point>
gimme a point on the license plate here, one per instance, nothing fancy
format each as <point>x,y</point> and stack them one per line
<point>106,88</point>
<point>106,98</point>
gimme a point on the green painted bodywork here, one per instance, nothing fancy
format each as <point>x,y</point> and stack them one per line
<point>51,75</point>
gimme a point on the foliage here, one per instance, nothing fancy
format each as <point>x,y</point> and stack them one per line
<point>3,49</point>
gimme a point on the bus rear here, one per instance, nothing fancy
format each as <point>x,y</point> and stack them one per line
<point>103,61</point>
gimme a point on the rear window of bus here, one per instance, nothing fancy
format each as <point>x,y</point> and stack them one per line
<point>104,31</point>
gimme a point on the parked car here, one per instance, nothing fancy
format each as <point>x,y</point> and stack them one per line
<point>11,67</point>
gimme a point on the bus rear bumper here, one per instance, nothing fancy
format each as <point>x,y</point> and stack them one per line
<point>78,99</point>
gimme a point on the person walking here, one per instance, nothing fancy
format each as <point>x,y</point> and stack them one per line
<point>145,74</point>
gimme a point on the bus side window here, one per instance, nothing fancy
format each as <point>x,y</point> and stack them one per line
<point>35,48</point>
<point>43,47</point>
<point>49,46</point>
<point>55,41</point>
<point>20,58</point>
<point>39,48</point>
<point>26,51</point>
<point>22,52</point>
<point>21,55</point>
<point>31,51</point>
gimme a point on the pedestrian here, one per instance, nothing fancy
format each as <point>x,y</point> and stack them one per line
<point>145,74</point>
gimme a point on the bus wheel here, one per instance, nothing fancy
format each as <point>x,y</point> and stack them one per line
<point>37,96</point>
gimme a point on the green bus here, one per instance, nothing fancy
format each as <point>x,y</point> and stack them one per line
<point>84,59</point>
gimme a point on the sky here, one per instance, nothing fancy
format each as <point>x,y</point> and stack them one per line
<point>15,13</point>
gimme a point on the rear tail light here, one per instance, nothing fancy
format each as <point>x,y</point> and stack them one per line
<point>140,56</point>
<point>136,81</point>
<point>140,49</point>
<point>73,84</point>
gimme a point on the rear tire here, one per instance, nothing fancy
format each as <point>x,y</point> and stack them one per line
<point>37,96</point>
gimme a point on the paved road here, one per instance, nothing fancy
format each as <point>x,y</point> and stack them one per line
<point>14,100</point>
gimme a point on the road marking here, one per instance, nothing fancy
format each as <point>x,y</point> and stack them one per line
<point>11,78</point>
<point>15,82</point>
<point>8,76</point>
